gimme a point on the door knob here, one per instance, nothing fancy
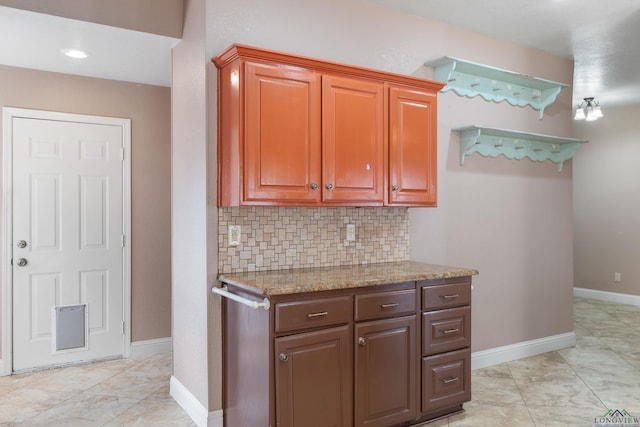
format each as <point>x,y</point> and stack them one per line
<point>22,244</point>
<point>22,262</point>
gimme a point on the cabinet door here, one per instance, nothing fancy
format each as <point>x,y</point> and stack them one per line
<point>313,377</point>
<point>385,371</point>
<point>353,140</point>
<point>412,147</point>
<point>282,135</point>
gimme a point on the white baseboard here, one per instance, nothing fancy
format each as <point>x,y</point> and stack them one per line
<point>192,406</point>
<point>151,347</point>
<point>507,353</point>
<point>607,296</point>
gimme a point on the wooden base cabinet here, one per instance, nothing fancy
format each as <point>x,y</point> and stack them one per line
<point>353,357</point>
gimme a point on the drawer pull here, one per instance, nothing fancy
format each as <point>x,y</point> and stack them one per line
<point>451,331</point>
<point>449,380</point>
<point>449,296</point>
<point>390,305</point>
<point>319,314</point>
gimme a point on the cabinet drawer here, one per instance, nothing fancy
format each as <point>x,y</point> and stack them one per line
<point>444,296</point>
<point>385,304</point>
<point>446,330</point>
<point>446,380</point>
<point>297,315</point>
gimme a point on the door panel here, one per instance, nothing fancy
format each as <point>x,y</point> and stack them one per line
<point>282,158</point>
<point>313,379</point>
<point>412,147</point>
<point>353,136</point>
<point>68,208</point>
<point>385,371</point>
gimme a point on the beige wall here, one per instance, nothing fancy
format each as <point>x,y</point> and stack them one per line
<point>509,219</point>
<point>607,202</point>
<point>148,107</point>
<point>189,207</point>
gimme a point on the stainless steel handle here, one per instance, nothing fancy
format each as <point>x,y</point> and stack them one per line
<point>319,314</point>
<point>314,186</point>
<point>22,244</point>
<point>22,262</point>
<point>283,357</point>
<point>362,341</point>
<point>395,188</point>
<point>451,331</point>
<point>390,305</point>
<point>449,296</point>
<point>449,380</point>
<point>329,186</point>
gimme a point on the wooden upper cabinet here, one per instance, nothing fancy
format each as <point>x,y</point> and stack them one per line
<point>412,147</point>
<point>353,140</point>
<point>296,131</point>
<point>282,135</point>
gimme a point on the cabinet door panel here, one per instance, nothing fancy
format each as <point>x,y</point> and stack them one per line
<point>385,371</point>
<point>314,379</point>
<point>353,137</point>
<point>412,147</point>
<point>282,141</point>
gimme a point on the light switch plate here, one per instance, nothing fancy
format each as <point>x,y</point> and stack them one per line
<point>234,235</point>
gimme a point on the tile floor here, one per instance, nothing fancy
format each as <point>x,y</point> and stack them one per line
<point>568,387</point>
<point>125,392</point>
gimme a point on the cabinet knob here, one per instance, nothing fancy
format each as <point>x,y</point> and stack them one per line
<point>329,186</point>
<point>395,188</point>
<point>314,186</point>
<point>362,341</point>
<point>283,357</point>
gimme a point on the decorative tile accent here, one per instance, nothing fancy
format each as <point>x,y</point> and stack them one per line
<point>275,238</point>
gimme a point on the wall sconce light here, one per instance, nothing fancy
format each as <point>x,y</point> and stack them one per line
<point>588,110</point>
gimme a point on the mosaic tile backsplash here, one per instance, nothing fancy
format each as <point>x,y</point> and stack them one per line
<point>275,238</point>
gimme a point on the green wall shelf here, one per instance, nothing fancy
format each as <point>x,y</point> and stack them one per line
<point>471,79</point>
<point>492,142</point>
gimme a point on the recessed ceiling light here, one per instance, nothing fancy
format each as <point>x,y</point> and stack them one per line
<point>74,53</point>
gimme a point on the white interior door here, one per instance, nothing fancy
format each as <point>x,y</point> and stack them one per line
<point>68,240</point>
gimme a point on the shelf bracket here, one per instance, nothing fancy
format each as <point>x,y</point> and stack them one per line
<point>492,142</point>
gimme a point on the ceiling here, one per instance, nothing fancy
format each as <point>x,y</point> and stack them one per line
<point>601,36</point>
<point>34,40</point>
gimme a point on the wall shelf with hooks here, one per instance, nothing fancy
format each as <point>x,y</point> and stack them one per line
<point>470,79</point>
<point>492,142</point>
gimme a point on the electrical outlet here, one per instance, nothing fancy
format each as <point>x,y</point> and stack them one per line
<point>234,235</point>
<point>351,232</point>
<point>617,277</point>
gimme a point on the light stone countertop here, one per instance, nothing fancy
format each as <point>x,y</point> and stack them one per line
<point>281,282</point>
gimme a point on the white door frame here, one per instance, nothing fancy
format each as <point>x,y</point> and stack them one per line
<point>6,247</point>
